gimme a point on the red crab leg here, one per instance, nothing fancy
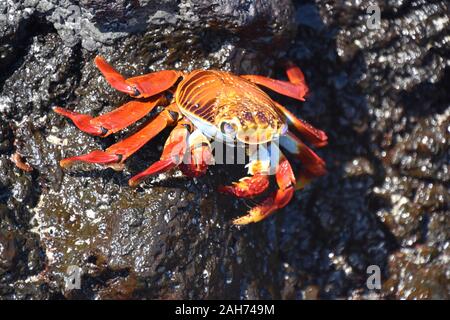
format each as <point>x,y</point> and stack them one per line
<point>296,87</point>
<point>316,137</point>
<point>198,157</point>
<point>119,152</point>
<point>280,198</point>
<point>82,121</point>
<point>141,86</point>
<point>113,121</point>
<point>173,153</point>
<point>313,165</point>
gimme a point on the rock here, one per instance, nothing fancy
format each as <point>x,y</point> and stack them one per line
<point>380,96</point>
<point>430,280</point>
<point>8,251</point>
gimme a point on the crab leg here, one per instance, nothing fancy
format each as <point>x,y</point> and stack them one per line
<point>141,86</point>
<point>173,153</point>
<point>296,87</point>
<point>198,157</point>
<point>119,152</point>
<point>313,165</point>
<point>316,137</point>
<point>286,181</point>
<point>113,121</point>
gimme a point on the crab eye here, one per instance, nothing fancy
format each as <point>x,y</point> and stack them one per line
<point>228,128</point>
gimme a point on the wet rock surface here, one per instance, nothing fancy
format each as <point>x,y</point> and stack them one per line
<point>380,94</point>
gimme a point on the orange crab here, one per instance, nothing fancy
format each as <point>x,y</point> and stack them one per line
<point>209,104</point>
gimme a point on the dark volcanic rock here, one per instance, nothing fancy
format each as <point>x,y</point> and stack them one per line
<point>380,94</point>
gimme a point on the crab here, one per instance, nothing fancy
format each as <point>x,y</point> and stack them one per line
<point>205,105</point>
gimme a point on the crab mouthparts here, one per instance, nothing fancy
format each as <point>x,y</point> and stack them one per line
<point>256,136</point>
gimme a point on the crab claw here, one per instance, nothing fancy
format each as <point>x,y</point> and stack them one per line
<point>280,198</point>
<point>198,157</point>
<point>277,200</point>
<point>259,168</point>
<point>247,187</point>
